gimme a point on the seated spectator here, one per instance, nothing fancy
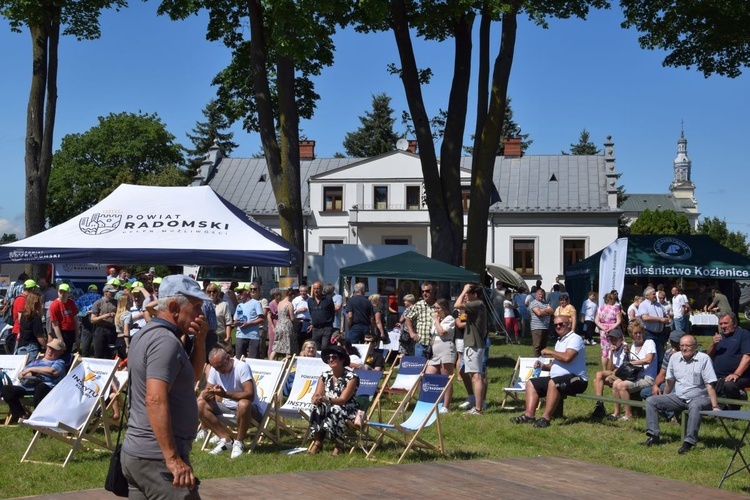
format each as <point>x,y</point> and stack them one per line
<point>355,359</point>
<point>730,352</point>
<point>617,355</point>
<point>334,400</point>
<point>230,389</point>
<point>690,376</point>
<point>41,375</point>
<point>373,358</point>
<point>443,360</point>
<point>567,375</point>
<point>643,354</point>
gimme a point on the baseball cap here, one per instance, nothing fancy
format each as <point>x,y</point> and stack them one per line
<point>64,287</point>
<point>137,284</point>
<point>615,333</point>
<point>29,284</point>
<point>675,336</point>
<point>156,281</point>
<point>127,285</point>
<point>114,282</point>
<point>241,288</point>
<point>94,288</point>
<point>56,344</point>
<point>179,284</point>
<point>152,269</point>
<point>109,288</point>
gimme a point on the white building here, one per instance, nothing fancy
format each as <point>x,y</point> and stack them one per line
<point>551,210</point>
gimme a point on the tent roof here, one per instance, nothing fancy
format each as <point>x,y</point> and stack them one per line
<point>674,256</point>
<point>410,265</point>
<point>157,225</point>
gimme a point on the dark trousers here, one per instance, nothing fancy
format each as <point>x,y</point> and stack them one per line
<point>302,333</point>
<point>12,395</point>
<point>104,337</point>
<point>87,336</point>
<point>248,348</point>
<point>322,336</point>
<point>660,340</point>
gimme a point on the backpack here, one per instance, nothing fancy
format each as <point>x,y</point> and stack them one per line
<point>8,313</point>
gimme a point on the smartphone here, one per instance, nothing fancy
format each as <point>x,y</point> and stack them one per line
<point>168,476</point>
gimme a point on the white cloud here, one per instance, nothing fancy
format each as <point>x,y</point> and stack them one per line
<point>11,227</point>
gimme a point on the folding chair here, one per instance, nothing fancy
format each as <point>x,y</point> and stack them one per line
<point>299,403</point>
<point>521,373</point>
<point>426,412</point>
<point>69,412</point>
<point>410,370</point>
<point>369,382</point>
<point>394,343</point>
<point>10,366</point>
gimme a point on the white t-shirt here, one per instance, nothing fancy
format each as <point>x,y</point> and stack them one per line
<point>232,381</point>
<point>648,347</point>
<point>509,311</point>
<point>678,301</point>
<point>578,365</point>
<point>589,310</point>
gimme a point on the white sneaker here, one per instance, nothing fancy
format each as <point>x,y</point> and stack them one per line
<point>444,410</point>
<point>238,448</point>
<point>473,411</point>
<point>470,401</point>
<point>214,439</point>
<point>201,436</point>
<point>222,445</point>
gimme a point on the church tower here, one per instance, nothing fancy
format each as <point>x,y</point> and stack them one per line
<point>682,186</point>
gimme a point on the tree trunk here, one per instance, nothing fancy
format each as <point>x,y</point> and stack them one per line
<point>483,163</point>
<point>450,152</point>
<point>441,236</point>
<point>282,161</point>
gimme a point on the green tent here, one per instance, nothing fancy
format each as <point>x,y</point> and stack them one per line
<point>409,265</point>
<point>663,256</point>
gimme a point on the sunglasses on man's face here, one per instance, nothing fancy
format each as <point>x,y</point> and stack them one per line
<point>560,325</point>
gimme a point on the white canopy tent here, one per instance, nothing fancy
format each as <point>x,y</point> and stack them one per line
<point>157,225</point>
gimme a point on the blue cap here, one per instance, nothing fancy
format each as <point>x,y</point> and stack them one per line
<point>179,284</point>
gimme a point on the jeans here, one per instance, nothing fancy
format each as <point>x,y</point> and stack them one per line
<point>31,349</point>
<point>419,349</point>
<point>356,333</point>
<point>681,323</point>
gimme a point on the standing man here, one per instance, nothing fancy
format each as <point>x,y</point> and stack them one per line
<point>302,313</point>
<point>103,318</point>
<point>359,315</point>
<point>720,303</point>
<point>62,316</point>
<point>540,315</point>
<point>475,337</point>
<point>84,303</point>
<point>688,387</point>
<point>730,353</point>
<point>567,374</point>
<point>680,309</point>
<point>654,318</point>
<point>419,319</point>
<point>322,313</point>
<point>164,413</point>
<point>338,301</point>
<point>247,317</point>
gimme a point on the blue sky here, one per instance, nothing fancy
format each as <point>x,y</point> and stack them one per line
<point>573,75</point>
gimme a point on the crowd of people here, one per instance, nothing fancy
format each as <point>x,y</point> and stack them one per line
<point>172,331</point>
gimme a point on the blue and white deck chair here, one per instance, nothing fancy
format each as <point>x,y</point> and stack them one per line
<point>426,412</point>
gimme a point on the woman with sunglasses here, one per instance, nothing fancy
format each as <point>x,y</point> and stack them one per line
<point>334,400</point>
<point>443,358</point>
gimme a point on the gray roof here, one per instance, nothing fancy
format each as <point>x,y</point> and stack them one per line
<point>564,183</point>
<point>244,182</point>
<point>637,203</point>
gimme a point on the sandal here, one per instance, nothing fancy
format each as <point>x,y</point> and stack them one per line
<point>338,450</point>
<point>315,448</point>
<point>541,423</point>
<point>523,419</point>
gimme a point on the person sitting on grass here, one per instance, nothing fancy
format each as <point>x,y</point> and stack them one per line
<point>642,353</point>
<point>229,389</point>
<point>617,355</point>
<point>567,375</point>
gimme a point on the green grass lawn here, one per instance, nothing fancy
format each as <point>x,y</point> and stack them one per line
<point>490,436</point>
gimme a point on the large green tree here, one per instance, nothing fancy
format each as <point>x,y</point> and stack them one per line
<point>133,148</point>
<point>441,21</point>
<point>710,35</point>
<point>660,222</point>
<point>206,133</point>
<point>510,128</point>
<point>584,146</point>
<point>277,48</point>
<point>717,229</point>
<point>375,136</point>
<point>45,21</point>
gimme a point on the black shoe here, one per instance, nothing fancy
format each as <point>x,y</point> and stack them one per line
<point>686,447</point>
<point>651,441</point>
<point>541,423</point>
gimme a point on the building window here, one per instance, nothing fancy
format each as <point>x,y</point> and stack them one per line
<point>574,251</point>
<point>523,256</point>
<point>412,197</point>
<point>325,243</point>
<point>466,197</point>
<point>380,196</point>
<point>396,241</point>
<point>333,197</point>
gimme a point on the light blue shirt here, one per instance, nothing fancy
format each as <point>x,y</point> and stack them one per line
<point>248,311</point>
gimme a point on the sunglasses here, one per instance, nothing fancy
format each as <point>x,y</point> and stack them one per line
<point>212,292</point>
<point>253,289</point>
<point>560,325</point>
<point>426,291</point>
<point>333,357</point>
